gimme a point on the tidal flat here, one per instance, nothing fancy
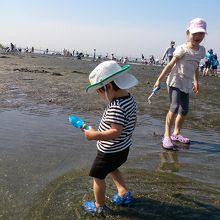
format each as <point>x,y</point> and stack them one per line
<point>44,161</point>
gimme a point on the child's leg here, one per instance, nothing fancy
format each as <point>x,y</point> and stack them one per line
<point>119,182</point>
<point>99,187</point>
<point>182,112</point>
<point>174,95</point>
<point>169,122</point>
<point>204,71</point>
<point>208,71</point>
<point>178,124</point>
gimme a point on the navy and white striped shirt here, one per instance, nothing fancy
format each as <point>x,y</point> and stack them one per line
<point>120,111</point>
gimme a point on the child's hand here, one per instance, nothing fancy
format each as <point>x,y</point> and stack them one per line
<point>157,84</point>
<point>89,134</point>
<point>196,88</point>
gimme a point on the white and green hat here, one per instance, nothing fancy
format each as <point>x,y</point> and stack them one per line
<point>109,71</point>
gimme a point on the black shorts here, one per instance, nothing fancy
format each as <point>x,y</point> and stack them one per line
<point>105,163</point>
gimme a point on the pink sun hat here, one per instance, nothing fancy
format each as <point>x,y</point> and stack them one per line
<point>197,25</point>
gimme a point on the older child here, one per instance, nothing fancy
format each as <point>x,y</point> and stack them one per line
<point>183,69</point>
<point>113,137</point>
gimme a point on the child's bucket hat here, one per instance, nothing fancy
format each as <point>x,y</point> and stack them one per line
<point>109,71</point>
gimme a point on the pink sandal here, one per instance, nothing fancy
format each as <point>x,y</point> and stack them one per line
<point>180,139</point>
<point>167,143</point>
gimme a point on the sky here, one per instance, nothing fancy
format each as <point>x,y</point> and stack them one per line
<point>123,27</point>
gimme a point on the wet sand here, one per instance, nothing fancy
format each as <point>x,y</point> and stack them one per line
<point>45,162</point>
<point>28,80</point>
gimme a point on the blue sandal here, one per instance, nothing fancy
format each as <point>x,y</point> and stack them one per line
<point>127,199</point>
<point>90,208</point>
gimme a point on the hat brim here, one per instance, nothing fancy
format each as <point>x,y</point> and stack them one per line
<point>115,75</point>
<point>126,81</point>
<point>197,30</point>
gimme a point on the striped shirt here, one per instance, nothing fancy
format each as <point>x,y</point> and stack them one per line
<point>120,111</point>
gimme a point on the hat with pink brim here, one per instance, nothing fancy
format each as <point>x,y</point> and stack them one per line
<point>197,25</point>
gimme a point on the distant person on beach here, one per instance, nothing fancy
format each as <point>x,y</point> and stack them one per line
<point>125,60</point>
<point>143,60</point>
<point>169,52</point>
<point>151,59</point>
<point>208,62</point>
<point>12,47</point>
<point>110,81</point>
<point>113,57</point>
<point>182,70</point>
<point>94,55</point>
<point>214,65</point>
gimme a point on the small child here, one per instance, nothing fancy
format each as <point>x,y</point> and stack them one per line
<point>113,137</point>
<point>214,65</point>
<point>183,69</point>
<point>208,62</point>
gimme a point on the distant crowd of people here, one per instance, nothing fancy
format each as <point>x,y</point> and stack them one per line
<point>79,55</point>
<point>13,49</point>
<point>210,64</point>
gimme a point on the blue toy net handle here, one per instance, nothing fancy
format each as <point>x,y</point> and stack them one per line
<point>156,89</point>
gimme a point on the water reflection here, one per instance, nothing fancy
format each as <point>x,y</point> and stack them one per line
<point>169,161</point>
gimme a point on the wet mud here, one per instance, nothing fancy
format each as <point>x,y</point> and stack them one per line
<point>29,79</point>
<point>45,173</point>
<point>157,196</point>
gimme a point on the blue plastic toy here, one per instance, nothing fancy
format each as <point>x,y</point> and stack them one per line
<point>77,122</point>
<point>153,92</point>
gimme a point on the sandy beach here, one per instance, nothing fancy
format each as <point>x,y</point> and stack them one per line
<point>44,161</point>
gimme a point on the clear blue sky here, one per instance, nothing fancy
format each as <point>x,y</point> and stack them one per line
<point>123,27</point>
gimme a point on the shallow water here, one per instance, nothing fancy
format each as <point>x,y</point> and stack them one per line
<point>44,161</point>
<point>38,146</point>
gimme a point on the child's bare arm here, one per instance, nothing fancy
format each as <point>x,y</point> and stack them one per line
<point>196,82</point>
<point>113,132</point>
<point>166,71</point>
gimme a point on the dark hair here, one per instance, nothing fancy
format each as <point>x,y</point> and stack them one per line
<point>114,86</point>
